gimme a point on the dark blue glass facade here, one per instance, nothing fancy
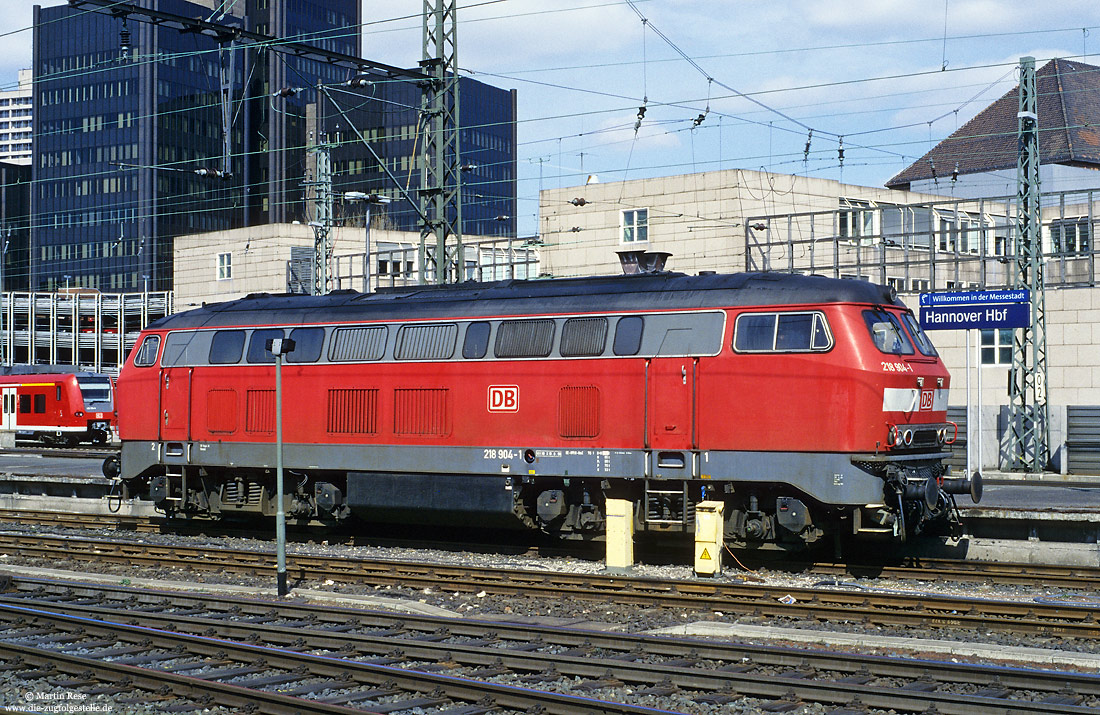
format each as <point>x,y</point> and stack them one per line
<point>386,115</point>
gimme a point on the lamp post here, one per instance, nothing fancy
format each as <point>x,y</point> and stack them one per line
<point>368,200</point>
<point>279,347</point>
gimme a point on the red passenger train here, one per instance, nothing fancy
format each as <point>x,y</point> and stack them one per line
<point>810,406</point>
<point>58,408</point>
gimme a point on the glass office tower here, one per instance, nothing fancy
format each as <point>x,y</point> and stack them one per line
<point>130,151</point>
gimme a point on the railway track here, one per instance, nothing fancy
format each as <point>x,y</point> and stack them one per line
<point>301,650</point>
<point>1066,618</point>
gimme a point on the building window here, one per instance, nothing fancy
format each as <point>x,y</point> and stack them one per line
<point>225,266</point>
<point>1070,236</point>
<point>635,226</point>
<point>856,220</point>
<point>997,346</point>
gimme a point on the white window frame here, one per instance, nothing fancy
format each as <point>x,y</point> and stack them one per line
<point>224,270</point>
<point>858,221</point>
<point>994,346</point>
<point>1066,236</point>
<point>632,223</point>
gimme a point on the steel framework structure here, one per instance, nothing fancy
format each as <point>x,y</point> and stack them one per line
<point>1028,377</point>
<point>440,175</point>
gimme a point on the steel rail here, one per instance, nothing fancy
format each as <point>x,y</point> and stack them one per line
<point>626,660</point>
<point>867,606</point>
<point>321,666</point>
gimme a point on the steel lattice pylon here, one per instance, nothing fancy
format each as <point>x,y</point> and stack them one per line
<point>321,183</point>
<point>440,176</point>
<point>1028,379</point>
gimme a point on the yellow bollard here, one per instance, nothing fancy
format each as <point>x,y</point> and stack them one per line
<point>620,535</point>
<point>709,537</point>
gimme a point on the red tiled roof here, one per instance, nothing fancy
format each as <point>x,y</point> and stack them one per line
<point>1069,128</point>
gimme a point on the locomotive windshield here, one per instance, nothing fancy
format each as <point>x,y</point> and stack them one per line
<point>924,343</point>
<point>886,331</point>
<point>95,389</point>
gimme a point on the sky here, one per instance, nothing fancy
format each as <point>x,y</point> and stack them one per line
<point>890,77</point>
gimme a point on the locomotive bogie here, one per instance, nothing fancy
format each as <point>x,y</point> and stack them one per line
<point>810,406</point>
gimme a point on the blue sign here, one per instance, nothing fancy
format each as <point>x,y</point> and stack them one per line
<point>970,317</point>
<point>970,310</point>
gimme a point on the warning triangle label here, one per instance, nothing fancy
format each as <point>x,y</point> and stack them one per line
<point>705,555</point>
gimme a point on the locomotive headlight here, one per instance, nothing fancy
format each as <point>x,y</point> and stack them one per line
<point>941,435</point>
<point>892,436</point>
<point>908,437</point>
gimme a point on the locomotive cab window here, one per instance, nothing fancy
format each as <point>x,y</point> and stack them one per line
<point>476,343</point>
<point>924,343</point>
<point>782,332</point>
<point>308,343</point>
<point>226,347</point>
<point>147,353</point>
<point>887,333</point>
<point>257,345</point>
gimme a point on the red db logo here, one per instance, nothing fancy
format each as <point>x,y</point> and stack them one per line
<point>504,398</point>
<point>925,400</point>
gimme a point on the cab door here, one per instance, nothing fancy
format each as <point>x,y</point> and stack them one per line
<point>670,403</point>
<point>175,404</point>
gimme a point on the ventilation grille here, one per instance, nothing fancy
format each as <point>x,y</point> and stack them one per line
<point>259,413</point>
<point>426,342</point>
<point>221,411</point>
<point>353,411</point>
<point>421,411</point>
<point>358,344</point>
<point>579,412</point>
<point>583,337</point>
<point>525,338</point>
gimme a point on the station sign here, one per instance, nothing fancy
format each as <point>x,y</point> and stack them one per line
<point>975,309</point>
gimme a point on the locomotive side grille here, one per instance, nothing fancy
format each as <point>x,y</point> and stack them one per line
<point>525,338</point>
<point>583,336</point>
<point>579,411</point>
<point>422,411</point>
<point>353,411</point>
<point>259,414</point>
<point>358,344</point>
<point>425,342</point>
<point>221,411</point>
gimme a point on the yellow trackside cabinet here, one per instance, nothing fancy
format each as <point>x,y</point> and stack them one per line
<point>620,535</point>
<point>709,537</point>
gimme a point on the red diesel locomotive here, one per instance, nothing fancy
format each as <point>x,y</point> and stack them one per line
<point>58,408</point>
<point>810,406</point>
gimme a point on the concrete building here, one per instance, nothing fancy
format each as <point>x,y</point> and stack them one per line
<point>699,218</point>
<point>278,258</point>
<point>16,121</point>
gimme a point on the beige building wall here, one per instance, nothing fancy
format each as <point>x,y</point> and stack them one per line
<point>698,218</point>
<point>258,257</point>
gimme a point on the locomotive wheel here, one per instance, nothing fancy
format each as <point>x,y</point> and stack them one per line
<point>112,467</point>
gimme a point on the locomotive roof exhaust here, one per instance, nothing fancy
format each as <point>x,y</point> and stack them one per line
<point>634,262</point>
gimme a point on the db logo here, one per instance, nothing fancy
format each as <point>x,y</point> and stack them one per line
<point>926,400</point>
<point>504,398</point>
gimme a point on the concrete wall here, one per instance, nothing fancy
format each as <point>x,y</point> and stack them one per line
<point>698,218</point>
<point>259,258</point>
